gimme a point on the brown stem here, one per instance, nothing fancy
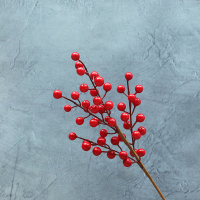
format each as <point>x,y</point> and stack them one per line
<point>139,161</point>
<point>130,115</point>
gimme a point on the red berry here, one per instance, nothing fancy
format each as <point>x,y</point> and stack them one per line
<point>79,120</point>
<point>136,135</point>
<point>80,71</point>
<point>131,97</point>
<point>107,118</point>
<point>75,56</point>
<point>132,153</point>
<point>111,122</point>
<point>78,64</point>
<point>120,89</point>
<point>120,139</point>
<point>107,87</point>
<point>97,100</point>
<point>123,155</point>
<point>99,81</point>
<point>72,136</point>
<point>136,102</point>
<point>124,117</point>
<point>103,132</point>
<point>67,108</point>
<point>126,126</point>
<point>115,140</point>
<point>121,106</point>
<point>93,123</point>
<point>140,117</point>
<point>138,88</point>
<point>99,121</point>
<point>86,146</point>
<point>110,154</point>
<point>86,104</point>
<point>128,76</point>
<point>127,162</point>
<point>94,109</point>
<point>96,151</point>
<point>141,152</point>
<point>94,74</point>
<point>101,141</point>
<point>84,87</point>
<point>75,95</point>
<point>142,130</point>
<point>108,105</point>
<point>57,94</point>
<point>101,109</point>
<point>93,92</point>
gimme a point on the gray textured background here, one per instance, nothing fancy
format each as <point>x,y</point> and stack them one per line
<point>158,41</point>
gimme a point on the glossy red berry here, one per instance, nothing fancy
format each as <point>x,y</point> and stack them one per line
<point>101,141</point>
<point>74,95</point>
<point>107,118</point>
<point>93,123</point>
<point>84,87</point>
<point>136,102</point>
<point>128,76</point>
<point>142,130</point>
<point>136,135</point>
<point>72,136</point>
<point>79,120</point>
<point>110,154</point>
<point>57,94</point>
<point>126,126</point>
<point>131,97</point>
<point>141,152</point>
<point>97,120</point>
<point>101,109</point>
<point>93,92</point>
<point>111,122</point>
<point>121,89</point>
<point>120,139</point>
<point>97,100</point>
<point>132,153</point>
<point>94,109</point>
<point>78,64</point>
<point>127,162</point>
<point>107,87</point>
<point>138,88</point>
<point>115,140</point>
<point>124,117</point>
<point>86,146</point>
<point>108,105</point>
<point>93,75</point>
<point>80,71</point>
<point>67,108</point>
<point>75,56</point>
<point>140,117</point>
<point>121,106</point>
<point>96,151</point>
<point>103,132</point>
<point>123,155</point>
<point>86,104</point>
<point>99,81</point>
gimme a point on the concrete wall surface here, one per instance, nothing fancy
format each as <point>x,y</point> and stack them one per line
<point>158,41</point>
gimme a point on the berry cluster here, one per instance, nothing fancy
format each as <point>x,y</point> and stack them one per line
<point>101,114</point>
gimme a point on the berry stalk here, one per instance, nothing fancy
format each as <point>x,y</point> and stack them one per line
<point>100,107</point>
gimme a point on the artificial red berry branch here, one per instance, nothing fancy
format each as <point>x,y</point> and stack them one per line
<point>99,107</point>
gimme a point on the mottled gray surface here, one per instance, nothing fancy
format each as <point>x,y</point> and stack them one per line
<point>158,41</point>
